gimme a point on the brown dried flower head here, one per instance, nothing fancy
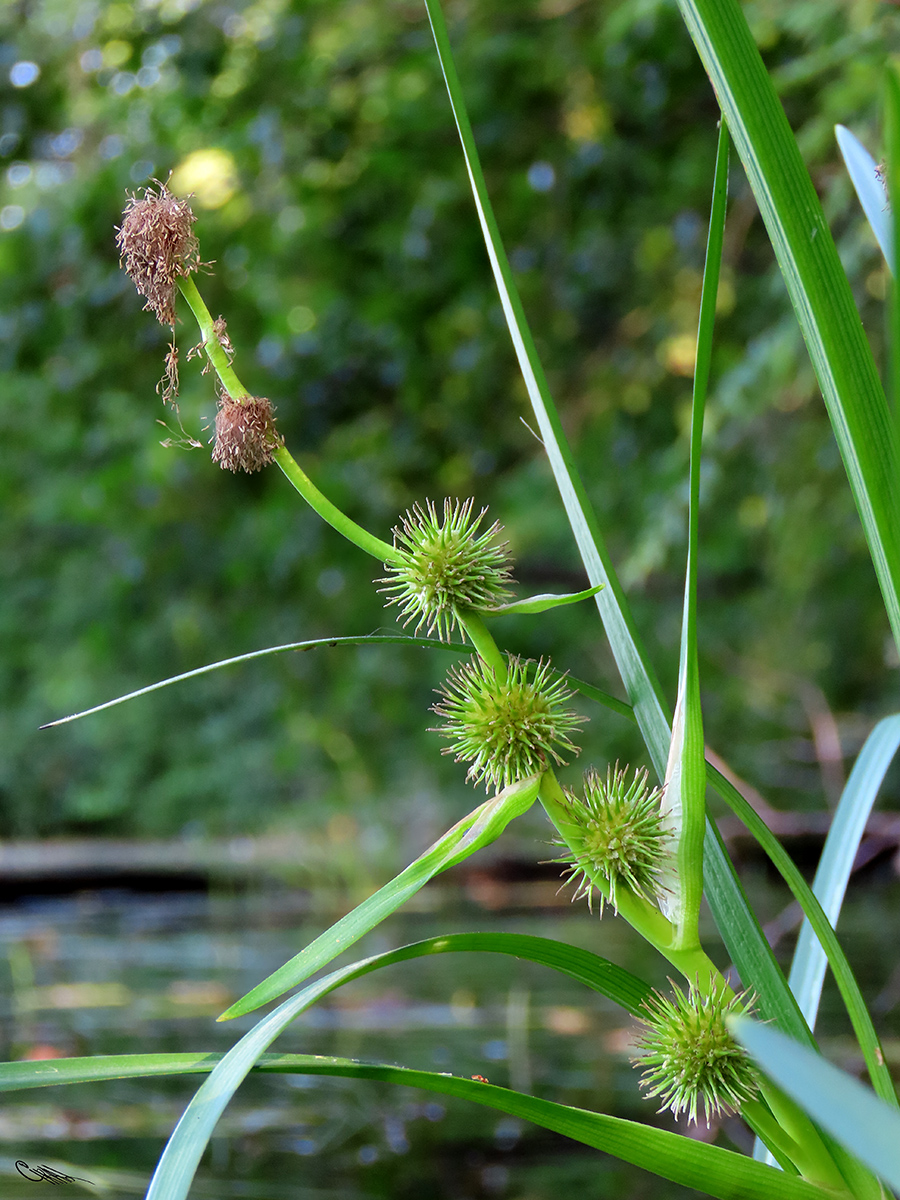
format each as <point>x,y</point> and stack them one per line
<point>246,438</point>
<point>157,245</point>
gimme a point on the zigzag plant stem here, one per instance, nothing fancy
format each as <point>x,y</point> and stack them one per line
<point>696,967</point>
<point>641,914</point>
<point>215,351</point>
<point>483,642</point>
<point>292,470</point>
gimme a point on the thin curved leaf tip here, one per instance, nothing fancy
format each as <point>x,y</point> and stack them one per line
<point>866,179</point>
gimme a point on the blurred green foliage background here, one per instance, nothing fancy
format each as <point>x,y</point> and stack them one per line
<point>333,203</point>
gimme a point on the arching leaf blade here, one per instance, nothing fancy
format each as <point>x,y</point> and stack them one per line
<point>311,644</point>
<point>481,827</point>
<point>856,1007</point>
<point>833,873</point>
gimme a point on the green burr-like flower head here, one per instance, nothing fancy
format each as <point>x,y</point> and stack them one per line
<point>446,566</point>
<point>506,728</point>
<point>616,839</point>
<point>691,1060</point>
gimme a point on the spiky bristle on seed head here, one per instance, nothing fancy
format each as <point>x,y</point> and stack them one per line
<point>446,566</point>
<point>691,1061</point>
<point>506,728</point>
<point>615,839</point>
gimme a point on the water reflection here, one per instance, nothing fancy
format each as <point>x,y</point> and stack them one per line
<point>110,972</point>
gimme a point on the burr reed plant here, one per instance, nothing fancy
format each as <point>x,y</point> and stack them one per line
<point>642,852</point>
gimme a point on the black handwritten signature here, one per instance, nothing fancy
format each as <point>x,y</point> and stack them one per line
<point>42,1173</point>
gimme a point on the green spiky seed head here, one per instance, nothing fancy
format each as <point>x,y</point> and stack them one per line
<point>617,839</point>
<point>506,728</point>
<point>691,1060</point>
<point>446,566</point>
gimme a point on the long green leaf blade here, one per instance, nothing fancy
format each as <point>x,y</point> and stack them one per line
<point>481,827</point>
<point>736,922</point>
<point>714,1171</point>
<point>643,689</point>
<point>176,1168</point>
<point>594,972</point>
<point>684,796</point>
<point>844,977</point>
<point>311,644</point>
<point>833,873</point>
<point>850,1112</point>
<point>816,282</point>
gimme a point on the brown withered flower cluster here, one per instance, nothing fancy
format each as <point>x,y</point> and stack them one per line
<point>158,246</point>
<point>245,437</point>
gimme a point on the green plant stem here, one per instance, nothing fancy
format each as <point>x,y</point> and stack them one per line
<point>807,1151</point>
<point>329,512</point>
<point>481,639</point>
<point>641,914</point>
<point>212,344</point>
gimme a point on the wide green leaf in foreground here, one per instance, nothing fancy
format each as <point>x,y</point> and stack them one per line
<point>187,1144</point>
<point>850,1112</point>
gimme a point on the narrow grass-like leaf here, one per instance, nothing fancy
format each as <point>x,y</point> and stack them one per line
<point>596,973</point>
<point>539,604</point>
<point>423,643</point>
<point>176,1168</point>
<point>816,282</point>
<point>830,884</point>
<point>640,683</point>
<point>709,1169</point>
<point>598,695</point>
<point>853,1115</point>
<point>862,169</point>
<point>892,182</point>
<point>844,977</point>
<point>363,640</point>
<point>684,795</point>
<point>750,951</point>
<point>481,827</point>
<point>716,1172</point>
<point>734,918</point>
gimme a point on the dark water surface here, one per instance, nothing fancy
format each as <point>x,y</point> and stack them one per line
<point>111,972</point>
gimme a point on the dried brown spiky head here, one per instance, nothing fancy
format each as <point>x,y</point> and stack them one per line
<point>245,437</point>
<point>157,245</point>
